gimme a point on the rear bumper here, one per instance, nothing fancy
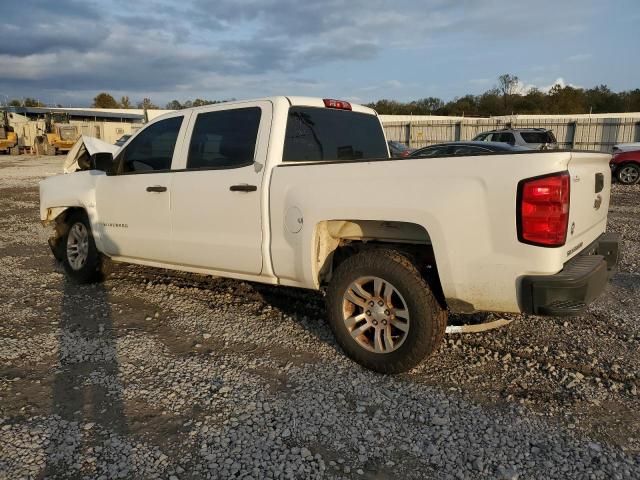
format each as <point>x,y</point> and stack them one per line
<point>581,281</point>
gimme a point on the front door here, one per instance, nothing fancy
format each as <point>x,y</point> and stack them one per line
<point>216,199</point>
<point>134,205</point>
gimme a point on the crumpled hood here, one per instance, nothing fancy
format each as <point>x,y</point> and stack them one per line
<point>78,156</point>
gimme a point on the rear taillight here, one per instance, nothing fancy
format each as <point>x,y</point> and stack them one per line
<point>339,104</point>
<point>543,210</point>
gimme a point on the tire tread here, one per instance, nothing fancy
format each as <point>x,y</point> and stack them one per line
<point>428,336</point>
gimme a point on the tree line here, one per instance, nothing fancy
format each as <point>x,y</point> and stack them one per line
<point>507,97</point>
<point>106,100</point>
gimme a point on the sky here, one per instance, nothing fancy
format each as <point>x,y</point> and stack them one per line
<point>67,51</point>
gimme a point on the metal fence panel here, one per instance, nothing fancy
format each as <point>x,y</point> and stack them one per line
<point>581,133</point>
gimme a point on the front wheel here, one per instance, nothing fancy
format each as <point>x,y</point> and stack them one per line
<point>382,311</point>
<point>628,174</point>
<point>80,257</point>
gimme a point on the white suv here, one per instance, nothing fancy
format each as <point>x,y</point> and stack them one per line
<point>534,138</point>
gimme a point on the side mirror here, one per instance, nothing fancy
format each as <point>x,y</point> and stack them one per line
<point>101,161</point>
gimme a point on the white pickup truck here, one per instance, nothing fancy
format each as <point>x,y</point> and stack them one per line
<point>302,192</point>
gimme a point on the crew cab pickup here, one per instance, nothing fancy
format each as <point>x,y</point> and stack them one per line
<point>302,192</point>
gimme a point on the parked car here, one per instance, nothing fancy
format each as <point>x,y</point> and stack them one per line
<point>122,140</point>
<point>398,149</point>
<point>625,147</point>
<point>301,192</point>
<point>534,138</point>
<point>625,166</point>
<point>466,148</point>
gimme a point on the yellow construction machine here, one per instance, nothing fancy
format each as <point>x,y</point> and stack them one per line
<point>59,135</point>
<point>8,137</point>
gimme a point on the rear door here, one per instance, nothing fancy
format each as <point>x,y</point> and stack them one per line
<point>589,199</point>
<point>134,205</point>
<point>216,196</point>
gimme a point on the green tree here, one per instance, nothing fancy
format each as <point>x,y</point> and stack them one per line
<point>601,99</point>
<point>105,100</point>
<point>427,106</point>
<point>32,102</point>
<point>534,101</point>
<point>508,85</point>
<point>565,100</point>
<point>174,105</point>
<point>125,102</point>
<point>15,103</point>
<point>148,104</point>
<point>631,100</point>
<point>490,103</point>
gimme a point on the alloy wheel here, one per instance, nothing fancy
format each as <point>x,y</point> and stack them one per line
<point>78,246</point>
<point>375,314</point>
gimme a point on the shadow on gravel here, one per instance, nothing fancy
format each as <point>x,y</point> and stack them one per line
<point>306,307</point>
<point>86,387</point>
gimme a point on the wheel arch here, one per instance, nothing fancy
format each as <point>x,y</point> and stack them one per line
<point>337,240</point>
<point>58,216</point>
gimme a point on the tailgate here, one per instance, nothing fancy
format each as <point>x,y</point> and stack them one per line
<point>589,201</point>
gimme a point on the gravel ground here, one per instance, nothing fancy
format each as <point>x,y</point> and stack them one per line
<point>163,374</point>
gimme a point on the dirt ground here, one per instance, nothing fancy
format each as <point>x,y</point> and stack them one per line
<point>158,373</point>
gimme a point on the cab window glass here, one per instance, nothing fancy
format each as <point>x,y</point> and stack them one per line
<point>468,150</point>
<point>504,137</point>
<point>224,139</point>
<point>432,151</point>
<point>152,149</point>
<point>538,137</point>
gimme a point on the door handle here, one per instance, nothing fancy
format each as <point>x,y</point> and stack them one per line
<point>157,188</point>
<point>244,187</point>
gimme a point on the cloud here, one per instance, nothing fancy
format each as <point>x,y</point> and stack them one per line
<point>480,81</point>
<point>580,57</point>
<point>524,88</point>
<point>218,49</point>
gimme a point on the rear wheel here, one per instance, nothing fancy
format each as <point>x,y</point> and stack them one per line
<point>382,311</point>
<point>81,258</point>
<point>628,174</point>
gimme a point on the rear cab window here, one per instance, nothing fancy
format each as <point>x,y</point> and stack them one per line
<point>316,133</point>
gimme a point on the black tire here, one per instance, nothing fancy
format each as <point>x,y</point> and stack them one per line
<point>428,320</point>
<point>90,271</point>
<point>628,174</point>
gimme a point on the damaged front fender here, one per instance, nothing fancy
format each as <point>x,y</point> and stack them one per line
<point>52,213</point>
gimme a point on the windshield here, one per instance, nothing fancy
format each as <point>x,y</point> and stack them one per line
<point>315,133</point>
